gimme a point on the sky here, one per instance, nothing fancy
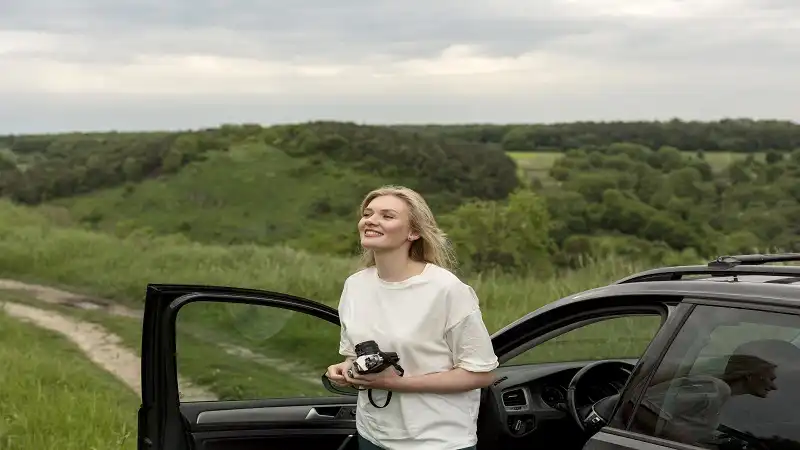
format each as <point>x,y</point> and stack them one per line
<point>93,65</point>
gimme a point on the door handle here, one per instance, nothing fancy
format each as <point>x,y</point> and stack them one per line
<point>314,415</point>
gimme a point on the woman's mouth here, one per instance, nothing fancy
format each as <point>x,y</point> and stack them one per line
<point>372,233</point>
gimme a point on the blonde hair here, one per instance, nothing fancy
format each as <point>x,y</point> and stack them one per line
<point>432,246</point>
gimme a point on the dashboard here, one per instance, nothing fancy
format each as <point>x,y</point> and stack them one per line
<point>528,396</point>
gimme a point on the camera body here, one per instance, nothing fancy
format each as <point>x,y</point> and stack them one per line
<point>370,359</point>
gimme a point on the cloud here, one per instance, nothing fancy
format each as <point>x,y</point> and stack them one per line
<point>381,60</point>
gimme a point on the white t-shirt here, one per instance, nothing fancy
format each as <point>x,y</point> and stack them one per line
<point>433,322</point>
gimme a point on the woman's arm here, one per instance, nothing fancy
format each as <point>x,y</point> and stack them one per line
<point>451,381</point>
<point>455,380</point>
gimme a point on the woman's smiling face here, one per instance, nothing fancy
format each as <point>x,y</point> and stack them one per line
<point>385,224</point>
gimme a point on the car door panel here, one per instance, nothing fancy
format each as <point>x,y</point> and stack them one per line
<point>275,439</point>
<point>323,422</point>
<point>331,412</point>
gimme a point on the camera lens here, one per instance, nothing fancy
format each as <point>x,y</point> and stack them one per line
<point>367,348</point>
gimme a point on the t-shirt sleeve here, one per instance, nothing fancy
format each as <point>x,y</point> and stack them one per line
<point>346,347</point>
<point>466,333</point>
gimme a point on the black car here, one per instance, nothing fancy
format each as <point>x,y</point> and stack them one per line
<point>672,358</point>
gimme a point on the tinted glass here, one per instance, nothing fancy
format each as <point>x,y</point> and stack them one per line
<point>731,379</point>
<point>237,351</point>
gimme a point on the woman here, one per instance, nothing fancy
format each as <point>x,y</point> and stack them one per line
<point>408,302</point>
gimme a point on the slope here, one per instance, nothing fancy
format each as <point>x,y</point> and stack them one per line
<point>296,185</point>
<point>250,193</point>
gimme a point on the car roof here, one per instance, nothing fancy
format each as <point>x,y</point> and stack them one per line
<point>746,279</point>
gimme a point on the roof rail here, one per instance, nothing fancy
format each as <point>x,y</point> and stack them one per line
<point>751,260</point>
<point>722,266</point>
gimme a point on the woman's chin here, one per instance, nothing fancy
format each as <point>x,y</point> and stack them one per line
<point>374,243</point>
<point>370,244</point>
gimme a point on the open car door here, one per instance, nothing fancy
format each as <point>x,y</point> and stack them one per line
<point>238,369</point>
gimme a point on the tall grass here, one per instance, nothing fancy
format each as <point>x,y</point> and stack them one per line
<point>53,397</point>
<point>120,268</point>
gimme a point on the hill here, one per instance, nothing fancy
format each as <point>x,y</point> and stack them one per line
<point>297,185</point>
<point>44,167</point>
<point>249,193</point>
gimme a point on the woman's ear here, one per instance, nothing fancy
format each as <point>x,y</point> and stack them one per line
<point>413,236</point>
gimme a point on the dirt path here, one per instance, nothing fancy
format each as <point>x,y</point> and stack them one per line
<point>105,348</point>
<point>58,297</point>
<point>101,346</point>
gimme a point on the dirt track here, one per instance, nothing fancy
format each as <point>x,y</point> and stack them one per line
<point>101,346</point>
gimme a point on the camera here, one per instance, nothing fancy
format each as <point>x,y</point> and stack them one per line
<point>370,359</point>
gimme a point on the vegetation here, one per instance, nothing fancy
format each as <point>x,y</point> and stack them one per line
<point>575,206</point>
<point>240,185</point>
<point>53,397</point>
<point>666,198</point>
<point>120,268</point>
<point>55,166</point>
<point>737,135</point>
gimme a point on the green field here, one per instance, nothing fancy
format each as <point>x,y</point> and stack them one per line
<point>535,165</point>
<point>52,397</point>
<point>538,164</point>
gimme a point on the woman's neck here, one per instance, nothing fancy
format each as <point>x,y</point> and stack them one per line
<point>397,266</point>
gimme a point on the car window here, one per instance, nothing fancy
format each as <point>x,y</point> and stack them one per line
<point>238,351</point>
<point>730,379</point>
<point>619,337</point>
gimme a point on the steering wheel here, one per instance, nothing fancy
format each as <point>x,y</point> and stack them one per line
<point>587,417</point>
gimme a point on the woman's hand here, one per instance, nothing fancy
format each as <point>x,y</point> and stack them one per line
<point>389,379</point>
<point>337,373</point>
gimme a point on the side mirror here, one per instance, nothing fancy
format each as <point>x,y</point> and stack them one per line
<point>339,390</point>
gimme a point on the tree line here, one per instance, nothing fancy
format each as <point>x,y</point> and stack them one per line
<point>736,135</point>
<point>35,169</point>
<point>631,200</point>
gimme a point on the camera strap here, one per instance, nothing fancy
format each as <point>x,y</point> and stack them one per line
<point>388,393</point>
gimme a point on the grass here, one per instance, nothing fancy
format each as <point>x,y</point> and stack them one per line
<point>535,165</point>
<point>119,269</point>
<point>53,397</point>
<point>721,160</point>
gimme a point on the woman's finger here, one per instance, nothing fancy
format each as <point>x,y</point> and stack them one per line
<point>357,381</point>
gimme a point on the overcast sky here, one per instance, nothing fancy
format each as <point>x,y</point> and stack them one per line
<point>144,64</point>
